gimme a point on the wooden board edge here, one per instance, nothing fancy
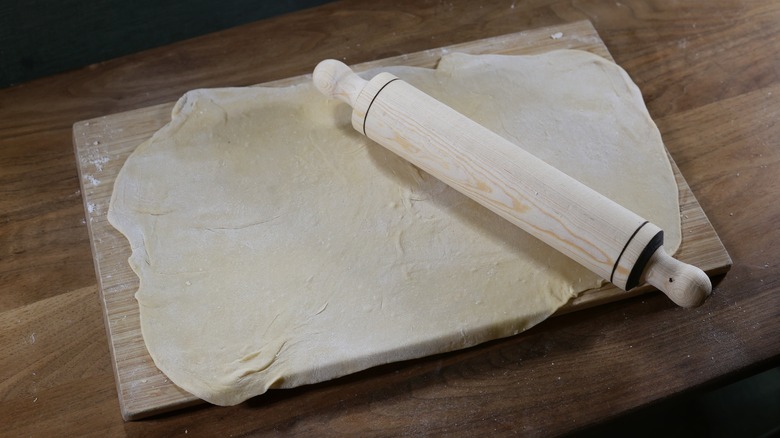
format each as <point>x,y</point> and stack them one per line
<point>78,129</point>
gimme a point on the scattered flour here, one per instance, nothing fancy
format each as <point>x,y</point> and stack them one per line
<point>92,180</point>
<point>99,162</point>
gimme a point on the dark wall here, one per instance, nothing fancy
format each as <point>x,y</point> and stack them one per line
<point>43,37</point>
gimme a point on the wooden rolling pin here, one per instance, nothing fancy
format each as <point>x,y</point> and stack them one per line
<point>593,230</point>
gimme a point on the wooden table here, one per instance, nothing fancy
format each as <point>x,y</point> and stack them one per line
<point>713,67</point>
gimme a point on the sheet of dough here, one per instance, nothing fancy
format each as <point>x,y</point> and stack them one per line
<point>277,247</point>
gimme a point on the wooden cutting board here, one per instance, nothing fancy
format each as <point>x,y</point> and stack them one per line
<point>102,145</point>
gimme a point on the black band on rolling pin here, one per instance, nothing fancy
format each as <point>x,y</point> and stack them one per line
<point>365,117</point>
<point>656,242</point>
<point>617,261</point>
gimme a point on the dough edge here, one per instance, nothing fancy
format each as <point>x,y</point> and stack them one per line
<point>236,394</point>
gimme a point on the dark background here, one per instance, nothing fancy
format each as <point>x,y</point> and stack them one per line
<point>44,37</point>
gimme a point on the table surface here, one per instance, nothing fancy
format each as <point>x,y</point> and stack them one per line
<point>711,67</point>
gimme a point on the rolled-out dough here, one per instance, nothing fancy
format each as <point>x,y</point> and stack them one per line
<point>277,247</point>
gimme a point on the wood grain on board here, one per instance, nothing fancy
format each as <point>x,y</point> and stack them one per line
<point>103,144</point>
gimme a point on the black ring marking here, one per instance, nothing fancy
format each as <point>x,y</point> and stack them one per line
<point>365,117</point>
<point>644,257</point>
<point>612,275</point>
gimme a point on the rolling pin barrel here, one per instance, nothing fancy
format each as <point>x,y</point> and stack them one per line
<point>605,237</point>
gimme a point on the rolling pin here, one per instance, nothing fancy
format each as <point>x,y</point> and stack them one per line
<point>605,237</point>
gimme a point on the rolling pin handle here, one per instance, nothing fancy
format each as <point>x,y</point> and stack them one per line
<point>686,285</point>
<point>335,79</point>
